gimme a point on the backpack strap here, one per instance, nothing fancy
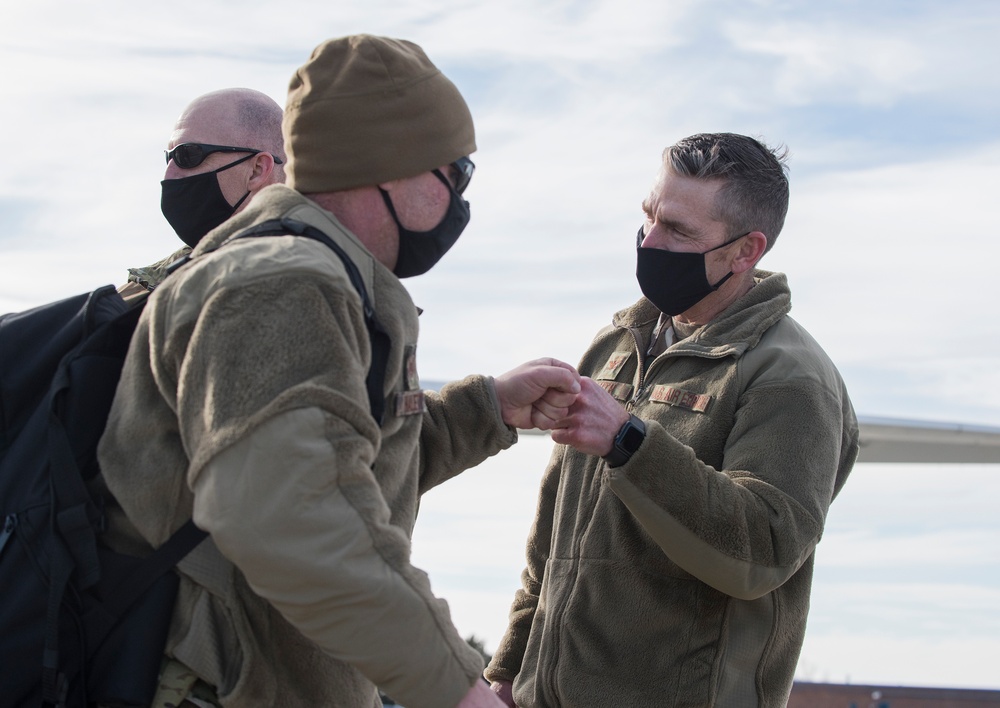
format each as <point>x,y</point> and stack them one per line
<point>131,588</point>
<point>54,683</point>
<point>377,335</point>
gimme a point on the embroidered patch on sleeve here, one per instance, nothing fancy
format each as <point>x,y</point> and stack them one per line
<point>618,390</point>
<point>614,365</point>
<point>410,403</point>
<point>682,399</point>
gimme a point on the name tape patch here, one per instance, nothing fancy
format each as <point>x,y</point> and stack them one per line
<point>620,391</point>
<point>410,403</point>
<point>697,402</point>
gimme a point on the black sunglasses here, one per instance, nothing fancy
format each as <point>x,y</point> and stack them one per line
<point>464,168</point>
<point>188,155</point>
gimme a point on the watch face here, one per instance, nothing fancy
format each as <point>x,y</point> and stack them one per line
<point>632,439</point>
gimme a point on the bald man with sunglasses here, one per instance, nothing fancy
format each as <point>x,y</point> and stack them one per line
<point>225,148</point>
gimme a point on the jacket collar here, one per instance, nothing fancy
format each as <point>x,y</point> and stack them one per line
<point>734,330</point>
<point>273,201</point>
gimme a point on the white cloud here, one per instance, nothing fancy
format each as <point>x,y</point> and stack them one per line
<point>873,57</point>
<point>817,62</point>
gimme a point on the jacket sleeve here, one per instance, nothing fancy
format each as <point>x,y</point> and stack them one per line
<point>461,428</point>
<point>274,414</point>
<point>747,528</point>
<point>509,655</point>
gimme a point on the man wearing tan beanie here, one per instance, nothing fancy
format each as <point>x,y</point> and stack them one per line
<point>245,403</point>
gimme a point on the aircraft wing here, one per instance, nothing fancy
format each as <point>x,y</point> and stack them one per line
<point>898,440</point>
<point>902,440</point>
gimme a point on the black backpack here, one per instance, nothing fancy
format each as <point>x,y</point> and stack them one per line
<point>81,624</point>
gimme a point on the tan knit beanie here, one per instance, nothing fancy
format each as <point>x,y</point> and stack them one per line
<point>365,110</point>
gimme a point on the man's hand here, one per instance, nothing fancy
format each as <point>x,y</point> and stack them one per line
<point>480,696</point>
<point>537,394</point>
<point>592,422</point>
<point>504,689</point>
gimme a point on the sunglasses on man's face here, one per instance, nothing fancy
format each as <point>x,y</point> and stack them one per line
<point>188,155</point>
<point>463,168</point>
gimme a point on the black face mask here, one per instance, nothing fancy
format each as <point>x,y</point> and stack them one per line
<point>675,281</point>
<point>194,205</point>
<point>420,250</point>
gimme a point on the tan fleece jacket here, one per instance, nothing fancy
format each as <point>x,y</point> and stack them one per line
<point>682,578</point>
<point>243,402</point>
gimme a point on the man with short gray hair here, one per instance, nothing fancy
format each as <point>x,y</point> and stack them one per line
<point>671,558</point>
<point>247,401</point>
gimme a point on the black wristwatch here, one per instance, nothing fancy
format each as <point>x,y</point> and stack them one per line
<point>627,441</point>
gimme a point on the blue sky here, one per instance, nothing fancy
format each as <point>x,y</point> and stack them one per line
<point>890,111</point>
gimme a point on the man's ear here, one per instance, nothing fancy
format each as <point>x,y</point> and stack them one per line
<point>752,248</point>
<point>263,166</point>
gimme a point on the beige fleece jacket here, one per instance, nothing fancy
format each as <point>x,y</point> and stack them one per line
<point>682,578</point>
<point>243,402</point>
